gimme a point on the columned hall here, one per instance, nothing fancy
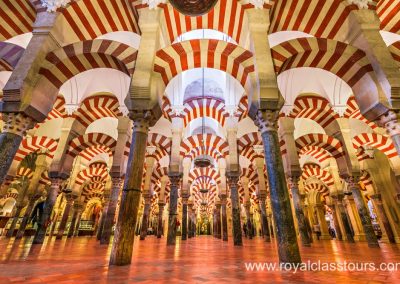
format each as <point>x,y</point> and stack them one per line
<point>184,140</point>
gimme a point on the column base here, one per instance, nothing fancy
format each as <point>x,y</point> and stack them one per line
<point>360,238</point>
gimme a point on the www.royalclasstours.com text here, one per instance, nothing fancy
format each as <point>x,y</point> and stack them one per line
<point>343,266</point>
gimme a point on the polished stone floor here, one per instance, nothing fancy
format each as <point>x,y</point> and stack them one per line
<point>200,260</point>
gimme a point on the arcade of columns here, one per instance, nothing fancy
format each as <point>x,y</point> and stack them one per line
<point>92,131</point>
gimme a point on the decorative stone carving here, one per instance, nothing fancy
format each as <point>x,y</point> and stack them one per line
<point>53,5</point>
<point>362,4</point>
<point>267,120</point>
<point>17,123</point>
<point>153,3</point>
<point>258,4</point>
<point>193,7</point>
<point>390,122</point>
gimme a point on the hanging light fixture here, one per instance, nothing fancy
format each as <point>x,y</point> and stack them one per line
<point>193,8</point>
<point>202,161</point>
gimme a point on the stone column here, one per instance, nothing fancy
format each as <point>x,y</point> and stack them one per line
<point>336,223</point>
<point>248,220</point>
<point>233,178</point>
<point>44,220</point>
<point>28,212</point>
<point>61,228</point>
<point>380,210</point>
<point>175,179</point>
<point>264,218</point>
<point>78,220</point>
<point>121,253</point>
<point>288,249</point>
<point>117,183</point>
<point>343,216</point>
<point>14,222</point>
<point>145,218</point>
<point>184,217</point>
<point>224,217</point>
<point>218,215</point>
<point>363,212</point>
<point>322,222</point>
<point>14,129</point>
<point>161,207</point>
<point>293,182</point>
<point>77,208</point>
<point>390,122</point>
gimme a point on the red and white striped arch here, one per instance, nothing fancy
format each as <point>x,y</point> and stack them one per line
<point>250,154</point>
<point>227,17</point>
<point>206,172</point>
<point>97,107</point>
<point>395,51</point>
<point>318,188</point>
<point>345,61</point>
<point>249,139</point>
<point>158,154</point>
<point>36,143</point>
<point>209,140</point>
<point>317,152</point>
<point>89,19</point>
<point>24,172</point>
<point>159,140</point>
<point>58,111</point>
<point>352,111</point>
<point>366,180</point>
<point>89,153</point>
<point>243,108</point>
<point>316,171</point>
<point>315,108</point>
<point>16,17</point>
<point>389,14</point>
<point>64,63</point>
<point>94,170</point>
<point>158,173</point>
<point>377,141</point>
<point>249,173</point>
<point>204,53</point>
<point>94,187</point>
<point>208,107</point>
<point>330,144</point>
<point>80,143</point>
<point>320,18</point>
<point>199,150</point>
<point>10,54</point>
<point>44,178</point>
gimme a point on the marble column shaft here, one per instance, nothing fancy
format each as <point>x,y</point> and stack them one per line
<point>175,179</point>
<point>121,253</point>
<point>11,230</point>
<point>382,215</point>
<point>224,217</point>
<point>264,219</point>
<point>344,218</point>
<point>160,220</point>
<point>363,211</point>
<point>336,223</point>
<point>184,218</point>
<point>288,249</point>
<point>233,178</point>
<point>145,218</point>
<point>74,219</point>
<point>27,216</point>
<point>248,221</point>
<point>112,206</point>
<point>218,215</point>
<point>48,208</point>
<point>65,216</point>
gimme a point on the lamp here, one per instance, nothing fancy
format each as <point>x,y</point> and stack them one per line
<point>193,8</point>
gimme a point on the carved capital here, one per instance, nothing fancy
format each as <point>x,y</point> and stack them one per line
<point>376,197</point>
<point>17,123</point>
<point>53,5</point>
<point>142,120</point>
<point>175,178</point>
<point>267,120</point>
<point>232,179</point>
<point>117,182</point>
<point>390,122</point>
<point>293,181</point>
<point>352,182</point>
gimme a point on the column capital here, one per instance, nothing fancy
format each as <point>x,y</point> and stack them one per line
<point>390,122</point>
<point>267,120</point>
<point>117,181</point>
<point>352,182</point>
<point>175,178</point>
<point>377,197</point>
<point>17,123</point>
<point>232,178</point>
<point>293,181</point>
